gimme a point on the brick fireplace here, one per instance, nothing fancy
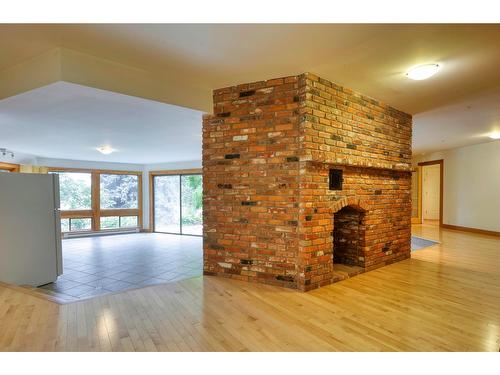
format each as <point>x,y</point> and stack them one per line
<point>305,183</point>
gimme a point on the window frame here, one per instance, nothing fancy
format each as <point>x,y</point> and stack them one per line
<point>10,167</point>
<point>179,173</point>
<point>95,213</point>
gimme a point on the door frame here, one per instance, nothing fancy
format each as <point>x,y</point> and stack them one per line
<point>175,172</point>
<point>439,162</point>
<point>418,219</point>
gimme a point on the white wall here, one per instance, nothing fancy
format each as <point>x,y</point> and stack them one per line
<point>145,169</point>
<point>471,186</point>
<point>19,158</point>
<point>172,166</point>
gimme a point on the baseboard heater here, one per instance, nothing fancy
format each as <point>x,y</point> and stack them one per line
<point>104,233</point>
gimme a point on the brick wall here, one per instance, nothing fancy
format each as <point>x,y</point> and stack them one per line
<point>251,182</point>
<point>267,150</point>
<point>383,196</point>
<point>343,127</point>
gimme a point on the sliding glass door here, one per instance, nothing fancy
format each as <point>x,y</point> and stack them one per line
<point>167,205</point>
<point>178,204</point>
<point>191,203</point>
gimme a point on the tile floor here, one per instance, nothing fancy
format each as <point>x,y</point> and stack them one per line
<point>418,243</point>
<point>99,265</point>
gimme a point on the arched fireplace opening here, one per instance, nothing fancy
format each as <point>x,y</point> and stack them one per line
<point>349,237</point>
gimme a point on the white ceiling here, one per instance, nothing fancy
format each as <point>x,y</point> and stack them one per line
<point>464,123</point>
<point>68,121</point>
<point>371,59</point>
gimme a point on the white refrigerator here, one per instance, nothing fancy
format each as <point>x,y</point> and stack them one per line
<point>30,231</point>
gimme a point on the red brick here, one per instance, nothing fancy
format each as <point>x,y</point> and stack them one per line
<point>288,134</point>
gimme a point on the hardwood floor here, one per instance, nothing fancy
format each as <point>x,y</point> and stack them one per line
<point>447,297</point>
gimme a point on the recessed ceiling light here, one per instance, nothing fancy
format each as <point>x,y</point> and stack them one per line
<point>495,135</point>
<point>106,150</point>
<point>421,72</point>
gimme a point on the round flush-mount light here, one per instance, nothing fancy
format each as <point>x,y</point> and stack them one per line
<point>421,72</point>
<point>106,150</point>
<point>495,135</point>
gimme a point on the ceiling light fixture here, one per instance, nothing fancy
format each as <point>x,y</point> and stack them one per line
<point>5,152</point>
<point>495,135</point>
<point>421,72</point>
<point>106,150</point>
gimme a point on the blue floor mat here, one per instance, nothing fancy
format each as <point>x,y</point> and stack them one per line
<point>418,243</point>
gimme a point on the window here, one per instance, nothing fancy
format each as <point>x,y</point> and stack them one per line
<point>177,204</point>
<point>80,224</point>
<point>115,222</point>
<point>75,191</point>
<point>119,191</point>
<point>128,221</point>
<point>92,200</point>
<point>110,222</point>
<point>76,224</point>
<point>64,225</point>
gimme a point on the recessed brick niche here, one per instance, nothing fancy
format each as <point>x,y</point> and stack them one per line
<point>271,214</point>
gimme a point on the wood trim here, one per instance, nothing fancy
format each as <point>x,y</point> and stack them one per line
<point>472,230</point>
<point>440,162</point>
<point>99,171</point>
<point>176,171</point>
<point>151,202</point>
<point>419,171</point>
<point>430,162</point>
<point>76,214</point>
<point>96,201</point>
<point>119,212</point>
<point>10,167</point>
<point>96,212</point>
<point>152,174</point>
<point>418,219</point>
<point>140,207</point>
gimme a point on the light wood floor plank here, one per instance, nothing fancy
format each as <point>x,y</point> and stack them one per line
<point>446,298</point>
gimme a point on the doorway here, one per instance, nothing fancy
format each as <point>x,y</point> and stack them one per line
<point>431,187</point>
<point>177,203</point>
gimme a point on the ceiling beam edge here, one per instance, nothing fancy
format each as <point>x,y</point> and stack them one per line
<point>63,64</point>
<point>36,72</point>
<point>92,71</point>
